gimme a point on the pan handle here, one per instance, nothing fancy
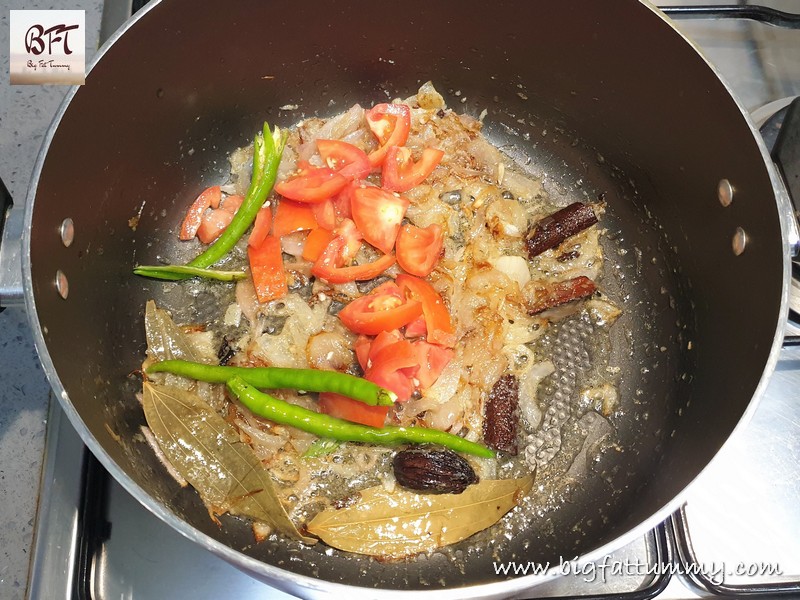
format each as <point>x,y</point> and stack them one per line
<point>786,154</point>
<point>11,221</point>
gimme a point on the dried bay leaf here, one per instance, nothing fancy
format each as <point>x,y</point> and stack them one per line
<point>165,340</point>
<point>208,453</point>
<point>401,523</point>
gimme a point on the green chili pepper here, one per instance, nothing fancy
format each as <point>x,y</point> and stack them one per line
<point>277,378</point>
<point>268,149</point>
<point>169,273</point>
<point>266,158</point>
<point>326,426</point>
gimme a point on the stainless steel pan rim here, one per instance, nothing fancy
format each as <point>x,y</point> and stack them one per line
<point>308,586</point>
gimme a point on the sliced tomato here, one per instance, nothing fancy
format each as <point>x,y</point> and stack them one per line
<point>261,226</point>
<point>325,214</point>
<point>352,240</point>
<point>346,159</point>
<point>216,220</point>
<point>417,328</point>
<point>327,265</point>
<point>292,216</point>
<point>312,184</point>
<point>390,123</point>
<point>316,242</point>
<point>362,346</point>
<point>213,224</point>
<point>343,200</point>
<point>209,198</point>
<point>232,203</point>
<point>384,309</point>
<point>432,359</point>
<point>437,317</point>
<point>418,250</point>
<point>387,368</point>
<point>346,408</point>
<point>266,268</point>
<point>378,215</point>
<point>400,172</point>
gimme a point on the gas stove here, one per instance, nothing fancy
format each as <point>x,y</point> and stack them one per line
<point>738,533</point>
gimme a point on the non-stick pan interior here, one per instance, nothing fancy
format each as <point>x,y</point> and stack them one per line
<point>605,98</point>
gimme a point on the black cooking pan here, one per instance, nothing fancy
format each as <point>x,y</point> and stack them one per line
<point>606,98</point>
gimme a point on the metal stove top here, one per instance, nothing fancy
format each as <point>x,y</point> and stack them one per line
<point>738,533</point>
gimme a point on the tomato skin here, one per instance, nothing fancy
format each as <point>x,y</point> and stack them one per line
<point>317,240</point>
<point>417,328</point>
<point>362,346</point>
<point>387,365</point>
<point>261,227</point>
<point>312,184</point>
<point>437,317</point>
<point>208,198</point>
<point>266,268</point>
<point>346,408</point>
<point>418,250</point>
<point>215,221</point>
<point>346,159</point>
<point>390,123</point>
<point>378,215</point>
<point>380,311</point>
<point>292,216</point>
<point>326,267</point>
<point>432,360</point>
<point>400,172</point>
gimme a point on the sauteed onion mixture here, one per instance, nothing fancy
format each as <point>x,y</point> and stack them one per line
<point>369,374</point>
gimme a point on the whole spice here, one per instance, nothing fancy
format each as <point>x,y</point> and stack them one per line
<point>539,297</point>
<point>279,378</point>
<point>554,229</point>
<point>501,415</point>
<point>433,471</point>
<point>323,425</point>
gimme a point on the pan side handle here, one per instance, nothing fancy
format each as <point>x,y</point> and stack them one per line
<point>786,154</point>
<point>11,222</point>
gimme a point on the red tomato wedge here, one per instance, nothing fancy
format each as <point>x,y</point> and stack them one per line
<point>209,198</point>
<point>312,184</point>
<point>417,328</point>
<point>362,346</point>
<point>384,309</point>
<point>266,267</point>
<point>346,408</point>
<point>327,265</point>
<point>390,123</point>
<point>352,241</point>
<point>325,214</point>
<point>217,220</point>
<point>291,217</point>
<point>213,224</point>
<point>378,215</point>
<point>418,250</point>
<point>437,318</point>
<point>346,159</point>
<point>316,242</point>
<point>432,359</point>
<point>387,365</point>
<point>261,227</point>
<point>400,172</point>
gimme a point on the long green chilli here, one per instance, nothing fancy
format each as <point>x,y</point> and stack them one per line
<point>326,426</point>
<point>170,272</point>
<point>279,378</point>
<point>267,151</point>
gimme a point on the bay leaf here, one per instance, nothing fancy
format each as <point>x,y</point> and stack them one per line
<point>165,340</point>
<point>207,452</point>
<point>402,523</point>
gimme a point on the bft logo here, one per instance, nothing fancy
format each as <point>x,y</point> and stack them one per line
<point>48,46</point>
<point>36,36</point>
